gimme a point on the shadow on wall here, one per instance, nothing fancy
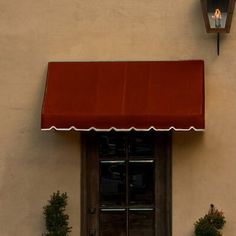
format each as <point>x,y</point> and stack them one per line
<point>189,137</point>
<point>186,141</point>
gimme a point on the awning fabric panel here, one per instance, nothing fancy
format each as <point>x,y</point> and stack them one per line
<point>139,95</point>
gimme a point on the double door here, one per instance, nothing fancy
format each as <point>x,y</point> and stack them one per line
<point>126,184</point>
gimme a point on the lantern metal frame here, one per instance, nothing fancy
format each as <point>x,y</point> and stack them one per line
<point>226,8</point>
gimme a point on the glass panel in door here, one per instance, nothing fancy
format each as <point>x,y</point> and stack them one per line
<point>112,183</point>
<point>141,182</point>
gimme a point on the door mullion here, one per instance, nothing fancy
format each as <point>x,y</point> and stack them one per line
<point>127,184</point>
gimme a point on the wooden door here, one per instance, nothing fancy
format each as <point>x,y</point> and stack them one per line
<point>126,184</point>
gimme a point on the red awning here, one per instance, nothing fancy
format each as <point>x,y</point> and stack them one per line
<point>136,95</point>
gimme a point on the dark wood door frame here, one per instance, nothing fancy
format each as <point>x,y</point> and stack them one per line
<point>163,149</point>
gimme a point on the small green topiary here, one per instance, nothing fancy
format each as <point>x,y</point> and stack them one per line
<point>211,223</point>
<point>55,217</point>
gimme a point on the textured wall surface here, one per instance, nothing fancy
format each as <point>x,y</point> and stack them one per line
<point>33,164</point>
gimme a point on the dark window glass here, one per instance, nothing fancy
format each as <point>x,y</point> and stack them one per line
<point>112,183</point>
<point>113,223</point>
<point>141,223</point>
<point>141,145</point>
<point>141,182</point>
<point>111,145</point>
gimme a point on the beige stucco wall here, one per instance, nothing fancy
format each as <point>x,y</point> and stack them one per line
<point>33,164</point>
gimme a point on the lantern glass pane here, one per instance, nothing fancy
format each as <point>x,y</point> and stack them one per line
<point>217,13</point>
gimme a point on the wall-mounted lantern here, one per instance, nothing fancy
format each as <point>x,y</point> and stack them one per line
<point>217,16</point>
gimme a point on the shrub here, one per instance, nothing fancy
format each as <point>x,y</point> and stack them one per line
<point>55,217</point>
<point>211,223</point>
